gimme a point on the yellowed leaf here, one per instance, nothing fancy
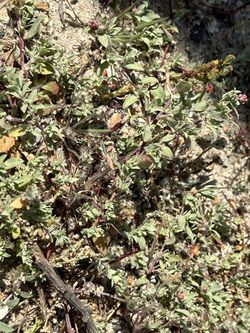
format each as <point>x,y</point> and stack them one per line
<point>43,6</point>
<point>18,203</point>
<point>246,298</point>
<point>6,143</point>
<point>233,204</point>
<point>29,157</point>
<point>16,132</point>
<point>16,154</point>
<point>114,120</point>
<point>40,232</point>
<point>45,71</point>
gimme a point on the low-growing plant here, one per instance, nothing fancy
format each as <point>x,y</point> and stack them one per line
<point>105,169</point>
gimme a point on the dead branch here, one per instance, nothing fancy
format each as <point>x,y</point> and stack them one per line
<point>65,291</point>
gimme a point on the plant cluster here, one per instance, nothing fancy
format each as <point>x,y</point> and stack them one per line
<point>103,170</point>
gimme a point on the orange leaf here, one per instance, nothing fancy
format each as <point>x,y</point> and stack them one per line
<point>18,203</point>
<point>43,6</point>
<point>239,247</point>
<point>104,73</point>
<point>6,143</point>
<point>110,162</point>
<point>51,87</point>
<point>195,250</point>
<point>130,281</point>
<point>216,201</point>
<point>114,120</point>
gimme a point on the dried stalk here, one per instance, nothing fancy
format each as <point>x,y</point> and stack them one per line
<point>65,291</point>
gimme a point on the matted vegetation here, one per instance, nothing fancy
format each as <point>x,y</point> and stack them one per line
<point>106,170</point>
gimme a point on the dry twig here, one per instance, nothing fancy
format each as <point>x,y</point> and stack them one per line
<point>66,291</point>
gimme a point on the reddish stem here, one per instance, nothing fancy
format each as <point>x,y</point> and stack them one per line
<point>21,48</point>
<point>67,320</point>
<point>10,100</point>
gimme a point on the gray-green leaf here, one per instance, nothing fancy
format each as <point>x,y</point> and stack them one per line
<point>12,162</point>
<point>4,328</point>
<point>136,67</point>
<point>183,86</point>
<point>4,311</point>
<point>129,100</point>
<point>25,295</point>
<point>23,180</point>
<point>200,106</point>
<point>149,79</point>
<point>167,152</point>
<point>104,40</point>
<point>34,28</point>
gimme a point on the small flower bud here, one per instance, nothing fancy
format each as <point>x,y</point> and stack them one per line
<point>242,98</point>
<point>93,24</point>
<point>210,88</point>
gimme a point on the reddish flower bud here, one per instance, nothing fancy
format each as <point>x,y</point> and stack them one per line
<point>242,98</point>
<point>210,88</point>
<point>93,24</point>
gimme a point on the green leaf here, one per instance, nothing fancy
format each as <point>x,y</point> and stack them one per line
<point>141,242</point>
<point>190,233</point>
<point>12,302</point>
<point>159,93</point>
<point>23,181</point>
<point>141,281</point>
<point>149,79</point>
<point>201,106</point>
<point>214,287</point>
<point>34,28</point>
<point>104,40</point>
<point>15,231</point>
<point>25,295</point>
<point>136,67</point>
<point>168,138</point>
<point>95,130</point>
<point>184,312</point>
<point>4,328</point>
<point>146,41</point>
<point>167,152</point>
<point>172,258</point>
<point>183,86</point>
<point>129,100</point>
<point>171,122</point>
<point>181,223</point>
<point>12,163</point>
<point>207,192</point>
<point>4,309</point>
<point>147,136</point>
<point>171,240</point>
